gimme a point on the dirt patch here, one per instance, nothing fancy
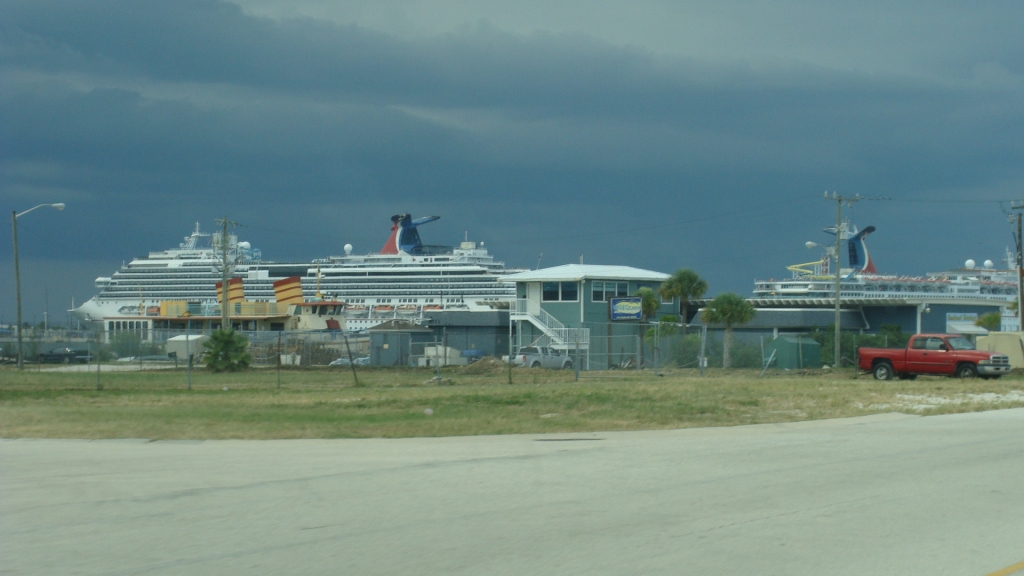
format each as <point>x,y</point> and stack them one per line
<point>486,365</point>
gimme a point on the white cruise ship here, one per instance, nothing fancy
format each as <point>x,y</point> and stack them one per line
<point>861,281</point>
<point>405,280</point>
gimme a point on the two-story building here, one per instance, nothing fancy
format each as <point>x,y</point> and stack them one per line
<point>570,307</point>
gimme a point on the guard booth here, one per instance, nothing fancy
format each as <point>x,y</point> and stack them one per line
<point>586,307</point>
<point>793,352</point>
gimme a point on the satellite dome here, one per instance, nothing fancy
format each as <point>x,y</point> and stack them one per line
<point>244,245</point>
<point>989,264</point>
<point>348,249</point>
<point>970,264</point>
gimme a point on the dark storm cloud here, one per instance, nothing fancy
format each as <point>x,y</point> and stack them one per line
<point>524,78</point>
<point>150,115</point>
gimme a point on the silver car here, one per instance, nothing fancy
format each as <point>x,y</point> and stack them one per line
<point>542,357</point>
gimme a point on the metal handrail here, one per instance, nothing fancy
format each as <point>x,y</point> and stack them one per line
<point>522,307</point>
<point>552,325</point>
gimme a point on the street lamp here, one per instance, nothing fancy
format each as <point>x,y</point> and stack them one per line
<point>832,253</point>
<point>17,271</point>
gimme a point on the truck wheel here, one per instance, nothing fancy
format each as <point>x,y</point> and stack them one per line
<point>966,371</point>
<point>567,366</point>
<point>535,364</point>
<point>882,371</point>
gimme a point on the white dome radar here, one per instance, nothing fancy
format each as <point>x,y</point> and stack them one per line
<point>970,264</point>
<point>348,249</point>
<point>989,264</point>
<point>244,245</point>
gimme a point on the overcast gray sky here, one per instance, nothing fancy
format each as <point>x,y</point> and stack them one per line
<point>654,134</point>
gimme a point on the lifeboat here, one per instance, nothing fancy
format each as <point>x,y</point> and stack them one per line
<point>355,310</point>
<point>408,308</point>
<point>432,307</point>
<point>383,308</point>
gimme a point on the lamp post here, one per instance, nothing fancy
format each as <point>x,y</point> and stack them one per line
<point>17,271</point>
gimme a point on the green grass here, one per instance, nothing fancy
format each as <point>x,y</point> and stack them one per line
<point>391,403</point>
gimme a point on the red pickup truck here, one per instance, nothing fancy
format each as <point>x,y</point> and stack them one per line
<point>948,354</point>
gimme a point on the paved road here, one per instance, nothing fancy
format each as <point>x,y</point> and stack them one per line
<point>888,494</point>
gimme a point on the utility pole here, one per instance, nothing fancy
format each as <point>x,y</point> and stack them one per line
<point>17,285</point>
<point>849,201</point>
<point>839,260</point>
<point>1019,265</point>
<point>225,316</point>
<point>839,200</point>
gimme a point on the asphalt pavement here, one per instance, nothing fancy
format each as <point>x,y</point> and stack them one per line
<point>888,494</point>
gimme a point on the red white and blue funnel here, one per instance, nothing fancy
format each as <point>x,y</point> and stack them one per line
<point>404,236</point>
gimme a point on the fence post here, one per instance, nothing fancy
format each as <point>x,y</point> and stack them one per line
<point>279,360</point>
<point>657,349</point>
<point>701,358</point>
<point>99,383</point>
<point>351,361</point>
<point>188,352</point>
<point>576,364</point>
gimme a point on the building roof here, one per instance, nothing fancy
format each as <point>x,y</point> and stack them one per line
<point>577,272</point>
<point>798,318</point>
<point>398,325</point>
<point>910,300</point>
<point>458,318</point>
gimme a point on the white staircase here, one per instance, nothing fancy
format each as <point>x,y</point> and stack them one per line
<point>561,337</point>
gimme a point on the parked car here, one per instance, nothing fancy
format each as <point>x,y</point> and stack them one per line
<point>344,361</point>
<point>948,354</point>
<point>64,356</point>
<point>542,357</point>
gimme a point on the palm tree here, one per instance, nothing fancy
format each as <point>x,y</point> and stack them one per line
<point>729,309</point>
<point>990,321</point>
<point>686,285</point>
<point>649,304</point>
<point>226,351</point>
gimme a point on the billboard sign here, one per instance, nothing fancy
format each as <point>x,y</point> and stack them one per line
<point>628,308</point>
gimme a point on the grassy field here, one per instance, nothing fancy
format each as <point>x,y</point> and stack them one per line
<point>467,401</point>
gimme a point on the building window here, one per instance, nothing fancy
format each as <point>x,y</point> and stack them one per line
<point>570,291</point>
<point>550,292</point>
<point>560,292</point>
<point>604,291</point>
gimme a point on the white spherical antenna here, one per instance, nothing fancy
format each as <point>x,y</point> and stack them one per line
<point>348,249</point>
<point>481,244</point>
<point>970,264</point>
<point>989,264</point>
<point>810,244</point>
<point>244,245</point>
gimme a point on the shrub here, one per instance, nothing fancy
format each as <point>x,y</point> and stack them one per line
<point>226,351</point>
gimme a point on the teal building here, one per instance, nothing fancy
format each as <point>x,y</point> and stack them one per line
<point>570,308</point>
